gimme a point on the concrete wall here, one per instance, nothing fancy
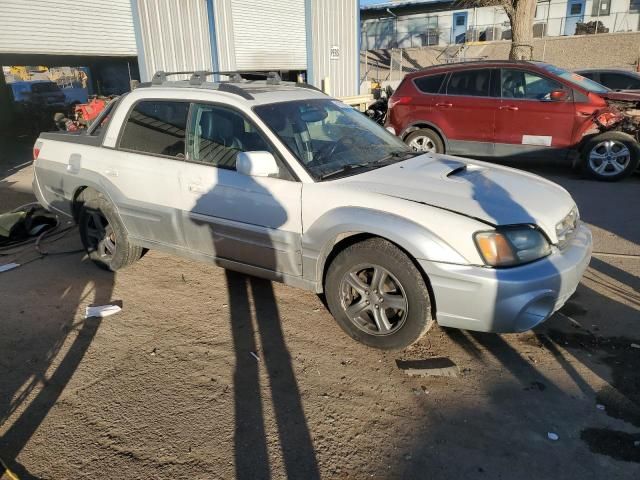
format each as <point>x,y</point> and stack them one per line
<point>621,50</point>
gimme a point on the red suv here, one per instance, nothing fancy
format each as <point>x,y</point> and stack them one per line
<point>508,108</point>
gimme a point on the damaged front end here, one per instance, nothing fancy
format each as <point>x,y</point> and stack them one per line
<point>623,115</point>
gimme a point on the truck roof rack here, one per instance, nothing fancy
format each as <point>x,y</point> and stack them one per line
<point>199,77</point>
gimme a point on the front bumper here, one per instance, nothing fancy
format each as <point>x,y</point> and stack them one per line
<point>511,299</point>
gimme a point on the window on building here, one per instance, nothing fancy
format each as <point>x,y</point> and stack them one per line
<point>601,8</point>
<point>634,6</point>
<point>527,85</point>
<point>156,127</point>
<point>470,82</point>
<point>576,8</point>
<point>430,83</point>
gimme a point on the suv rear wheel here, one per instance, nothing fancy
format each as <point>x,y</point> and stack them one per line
<point>425,140</point>
<point>103,235</point>
<point>610,156</point>
<point>378,296</point>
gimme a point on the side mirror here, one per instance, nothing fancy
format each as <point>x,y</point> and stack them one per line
<point>257,164</point>
<point>559,95</point>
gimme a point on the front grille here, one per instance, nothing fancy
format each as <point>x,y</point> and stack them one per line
<point>567,227</point>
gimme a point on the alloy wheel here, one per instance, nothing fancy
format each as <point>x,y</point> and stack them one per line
<point>373,299</point>
<point>422,144</point>
<point>100,236</point>
<point>609,157</point>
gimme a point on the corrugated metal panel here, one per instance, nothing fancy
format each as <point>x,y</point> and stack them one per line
<point>224,32</point>
<point>334,23</point>
<point>174,36</point>
<point>266,34</point>
<point>67,27</point>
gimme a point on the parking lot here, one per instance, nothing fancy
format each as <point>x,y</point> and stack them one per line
<point>210,374</point>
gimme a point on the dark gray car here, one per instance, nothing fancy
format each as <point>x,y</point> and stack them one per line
<point>613,78</point>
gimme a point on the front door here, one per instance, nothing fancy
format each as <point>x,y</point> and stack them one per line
<point>528,119</point>
<point>459,28</point>
<point>254,221</point>
<point>575,15</point>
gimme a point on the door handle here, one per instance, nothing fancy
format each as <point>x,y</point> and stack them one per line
<point>444,105</point>
<point>513,108</point>
<point>196,188</point>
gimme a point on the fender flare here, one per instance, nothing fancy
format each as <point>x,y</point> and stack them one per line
<point>336,225</point>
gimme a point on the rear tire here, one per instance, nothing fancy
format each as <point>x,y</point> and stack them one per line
<point>425,140</point>
<point>378,296</point>
<point>610,156</point>
<point>102,233</point>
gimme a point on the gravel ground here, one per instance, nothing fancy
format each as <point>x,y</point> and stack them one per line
<point>170,388</point>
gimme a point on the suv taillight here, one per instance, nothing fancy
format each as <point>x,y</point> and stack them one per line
<point>404,100</point>
<point>36,151</point>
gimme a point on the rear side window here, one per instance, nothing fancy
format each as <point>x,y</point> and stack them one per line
<point>589,75</point>
<point>619,81</point>
<point>470,82</point>
<point>430,83</point>
<point>156,127</point>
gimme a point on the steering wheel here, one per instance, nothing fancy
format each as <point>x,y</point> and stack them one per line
<point>329,150</point>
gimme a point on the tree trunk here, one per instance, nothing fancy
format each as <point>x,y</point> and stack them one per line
<point>521,19</point>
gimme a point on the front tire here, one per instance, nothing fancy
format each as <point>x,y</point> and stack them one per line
<point>103,236</point>
<point>610,156</point>
<point>378,296</point>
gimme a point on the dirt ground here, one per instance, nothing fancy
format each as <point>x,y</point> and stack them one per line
<point>169,387</point>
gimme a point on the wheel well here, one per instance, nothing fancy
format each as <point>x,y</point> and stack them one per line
<point>346,242</point>
<point>78,200</point>
<point>426,126</point>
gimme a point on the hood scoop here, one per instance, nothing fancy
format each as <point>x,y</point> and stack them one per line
<point>457,171</point>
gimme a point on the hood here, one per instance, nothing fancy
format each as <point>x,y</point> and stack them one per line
<point>622,96</point>
<point>492,194</point>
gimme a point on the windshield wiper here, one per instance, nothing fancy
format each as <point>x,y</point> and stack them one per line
<point>397,154</point>
<point>345,168</point>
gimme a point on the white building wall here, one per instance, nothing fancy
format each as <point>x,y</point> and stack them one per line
<point>333,25</point>
<point>261,35</point>
<point>172,36</point>
<point>67,27</point>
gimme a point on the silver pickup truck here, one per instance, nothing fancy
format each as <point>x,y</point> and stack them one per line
<point>281,181</point>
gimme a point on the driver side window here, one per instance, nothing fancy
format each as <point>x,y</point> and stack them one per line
<point>522,84</point>
<point>216,135</point>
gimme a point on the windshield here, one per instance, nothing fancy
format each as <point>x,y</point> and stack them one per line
<point>575,78</point>
<point>330,138</point>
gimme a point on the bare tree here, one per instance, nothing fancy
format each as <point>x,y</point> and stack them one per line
<point>521,14</point>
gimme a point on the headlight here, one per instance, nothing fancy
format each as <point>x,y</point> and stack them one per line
<point>566,228</point>
<point>508,246</point>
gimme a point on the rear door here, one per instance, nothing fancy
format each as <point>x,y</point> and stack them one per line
<point>142,175</point>
<point>528,121</point>
<point>466,112</point>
